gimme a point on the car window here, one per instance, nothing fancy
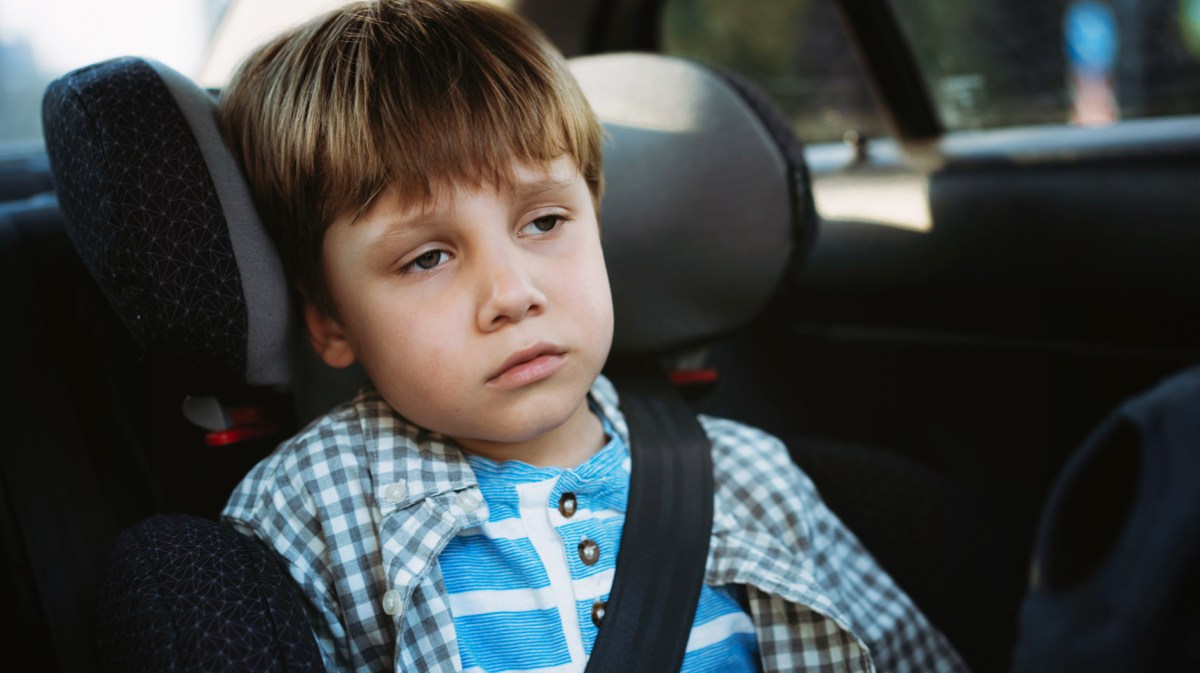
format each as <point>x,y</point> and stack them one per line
<point>203,39</point>
<point>985,64</point>
<point>40,41</point>
<point>995,64</point>
<point>249,23</point>
<point>794,49</point>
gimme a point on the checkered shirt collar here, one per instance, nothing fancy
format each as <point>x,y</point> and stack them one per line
<point>427,463</point>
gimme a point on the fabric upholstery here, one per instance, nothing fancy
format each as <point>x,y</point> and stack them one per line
<point>962,562</point>
<point>1116,584</point>
<point>184,593</point>
<point>146,216</point>
<point>69,463</point>
<point>698,217</point>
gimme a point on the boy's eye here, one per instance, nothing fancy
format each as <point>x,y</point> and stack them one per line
<point>543,224</point>
<point>427,261</point>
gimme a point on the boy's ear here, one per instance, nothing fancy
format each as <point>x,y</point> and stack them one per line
<point>327,337</point>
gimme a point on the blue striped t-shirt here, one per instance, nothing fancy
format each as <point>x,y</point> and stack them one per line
<point>527,587</point>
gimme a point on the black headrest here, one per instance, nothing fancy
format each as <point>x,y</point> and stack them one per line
<point>706,206</point>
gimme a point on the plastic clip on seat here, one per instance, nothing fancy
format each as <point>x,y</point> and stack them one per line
<point>227,425</point>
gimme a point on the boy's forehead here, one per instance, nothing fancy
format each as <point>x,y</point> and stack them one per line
<point>404,206</point>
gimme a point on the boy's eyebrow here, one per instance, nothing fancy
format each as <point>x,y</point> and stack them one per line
<point>400,226</point>
<point>541,186</point>
<point>416,219</point>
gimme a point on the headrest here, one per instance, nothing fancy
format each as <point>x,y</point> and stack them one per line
<point>706,200</point>
<point>164,221</point>
<point>706,205</point>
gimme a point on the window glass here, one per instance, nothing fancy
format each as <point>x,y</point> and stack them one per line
<point>203,39</point>
<point>40,41</point>
<point>991,63</point>
<point>794,49</point>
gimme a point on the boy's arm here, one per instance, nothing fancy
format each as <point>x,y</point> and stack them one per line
<point>273,504</point>
<point>280,534</point>
<point>821,560</point>
<point>900,636</point>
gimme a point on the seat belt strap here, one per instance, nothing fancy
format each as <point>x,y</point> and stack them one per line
<point>664,544</point>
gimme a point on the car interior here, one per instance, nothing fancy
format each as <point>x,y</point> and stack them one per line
<point>934,375</point>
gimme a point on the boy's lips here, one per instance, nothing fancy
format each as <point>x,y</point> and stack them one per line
<point>528,365</point>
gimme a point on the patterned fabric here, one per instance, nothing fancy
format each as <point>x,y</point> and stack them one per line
<point>532,609</point>
<point>184,593</point>
<point>144,214</point>
<point>361,503</point>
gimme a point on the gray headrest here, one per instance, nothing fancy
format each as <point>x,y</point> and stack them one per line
<point>704,205</point>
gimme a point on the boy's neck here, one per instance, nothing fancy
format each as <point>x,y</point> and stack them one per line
<point>567,446</point>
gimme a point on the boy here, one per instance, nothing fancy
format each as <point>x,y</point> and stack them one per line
<point>433,191</point>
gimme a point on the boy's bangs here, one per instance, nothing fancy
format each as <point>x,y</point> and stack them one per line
<point>455,108</point>
<point>454,148</point>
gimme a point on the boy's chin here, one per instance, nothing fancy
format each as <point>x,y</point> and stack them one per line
<point>521,429</point>
<point>531,436</point>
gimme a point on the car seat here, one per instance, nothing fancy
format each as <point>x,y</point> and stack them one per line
<point>706,215</point>
<point>70,473</point>
<point>1116,583</point>
<point>163,221</point>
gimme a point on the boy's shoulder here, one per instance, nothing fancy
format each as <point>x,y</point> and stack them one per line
<point>365,425</point>
<point>750,466</point>
<point>361,417</point>
<point>737,445</point>
<point>755,479</point>
<point>740,452</point>
<point>357,444</point>
<point>336,434</point>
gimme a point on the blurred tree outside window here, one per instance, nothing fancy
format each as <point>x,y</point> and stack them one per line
<point>986,63</point>
<point>795,50</point>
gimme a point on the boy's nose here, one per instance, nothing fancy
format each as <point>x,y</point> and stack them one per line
<point>508,293</point>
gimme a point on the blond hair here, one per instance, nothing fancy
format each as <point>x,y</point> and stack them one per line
<point>410,94</point>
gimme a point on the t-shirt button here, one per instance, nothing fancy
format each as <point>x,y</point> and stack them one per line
<point>391,601</point>
<point>468,500</point>
<point>567,505</point>
<point>395,492</point>
<point>589,552</point>
<point>598,610</point>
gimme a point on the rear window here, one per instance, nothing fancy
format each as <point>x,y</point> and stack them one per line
<point>40,41</point>
<point>985,64</point>
<point>1090,62</point>
<point>203,39</point>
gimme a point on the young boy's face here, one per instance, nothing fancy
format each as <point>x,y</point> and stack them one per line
<point>485,316</point>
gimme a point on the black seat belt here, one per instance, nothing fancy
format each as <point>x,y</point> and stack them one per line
<point>664,544</point>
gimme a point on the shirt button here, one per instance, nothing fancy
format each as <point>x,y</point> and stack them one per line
<point>395,492</point>
<point>566,505</point>
<point>468,500</point>
<point>589,552</point>
<point>391,601</point>
<point>598,609</point>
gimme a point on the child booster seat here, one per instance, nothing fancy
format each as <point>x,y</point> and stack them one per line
<point>706,210</point>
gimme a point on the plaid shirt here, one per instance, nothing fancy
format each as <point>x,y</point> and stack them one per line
<point>361,503</point>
